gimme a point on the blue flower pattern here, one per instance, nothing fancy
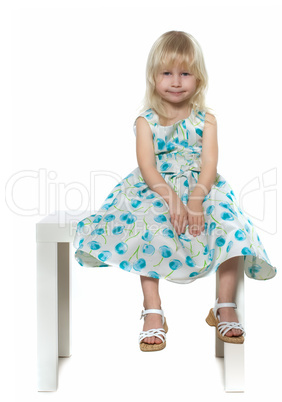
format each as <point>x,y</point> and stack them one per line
<point>132,229</point>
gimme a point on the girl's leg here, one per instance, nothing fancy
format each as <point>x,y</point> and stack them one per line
<point>228,276</point>
<point>150,287</point>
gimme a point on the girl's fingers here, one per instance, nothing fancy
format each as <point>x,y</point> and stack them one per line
<point>203,224</point>
<point>196,225</point>
<point>184,225</point>
<point>180,226</point>
<point>192,226</point>
<point>176,226</point>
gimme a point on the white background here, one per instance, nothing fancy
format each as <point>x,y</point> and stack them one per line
<point>73,78</point>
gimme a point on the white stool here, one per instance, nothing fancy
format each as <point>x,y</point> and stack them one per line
<point>234,355</point>
<point>54,236</point>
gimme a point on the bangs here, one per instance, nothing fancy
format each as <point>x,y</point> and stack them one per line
<point>171,60</point>
<point>177,51</point>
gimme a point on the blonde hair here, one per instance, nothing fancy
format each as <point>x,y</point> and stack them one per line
<point>171,47</point>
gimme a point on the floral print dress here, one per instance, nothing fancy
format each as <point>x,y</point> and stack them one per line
<point>132,230</point>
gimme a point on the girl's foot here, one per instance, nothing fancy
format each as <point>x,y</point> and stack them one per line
<point>152,321</point>
<point>228,314</point>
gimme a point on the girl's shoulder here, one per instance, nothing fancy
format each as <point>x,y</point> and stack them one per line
<point>149,115</point>
<point>210,119</point>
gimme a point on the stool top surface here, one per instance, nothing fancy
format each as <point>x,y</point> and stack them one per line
<point>64,216</point>
<point>59,226</point>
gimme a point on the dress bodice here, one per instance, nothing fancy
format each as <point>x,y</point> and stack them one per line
<point>177,147</point>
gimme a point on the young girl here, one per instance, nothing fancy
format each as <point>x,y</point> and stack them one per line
<point>175,217</point>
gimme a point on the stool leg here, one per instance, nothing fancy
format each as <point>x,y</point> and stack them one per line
<point>64,298</point>
<point>234,355</point>
<point>219,345</point>
<point>47,317</point>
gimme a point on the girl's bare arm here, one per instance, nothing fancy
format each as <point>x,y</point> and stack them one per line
<point>209,161</point>
<point>147,162</point>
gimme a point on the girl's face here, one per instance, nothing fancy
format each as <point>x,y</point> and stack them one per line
<point>175,85</point>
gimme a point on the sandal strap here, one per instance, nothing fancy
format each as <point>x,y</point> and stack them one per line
<point>221,305</point>
<point>158,332</point>
<point>152,310</point>
<point>225,326</point>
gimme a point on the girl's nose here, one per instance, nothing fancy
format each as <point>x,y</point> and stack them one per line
<point>175,80</point>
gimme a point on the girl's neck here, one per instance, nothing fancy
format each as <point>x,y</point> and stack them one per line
<point>175,113</point>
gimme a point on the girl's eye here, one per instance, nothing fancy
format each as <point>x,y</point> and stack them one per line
<point>168,73</point>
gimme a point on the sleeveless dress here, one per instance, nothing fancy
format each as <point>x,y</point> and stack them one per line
<point>132,230</point>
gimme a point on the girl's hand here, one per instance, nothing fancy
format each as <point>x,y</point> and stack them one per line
<point>196,219</point>
<point>178,214</point>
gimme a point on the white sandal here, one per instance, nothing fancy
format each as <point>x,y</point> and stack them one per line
<point>159,333</point>
<point>223,327</point>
